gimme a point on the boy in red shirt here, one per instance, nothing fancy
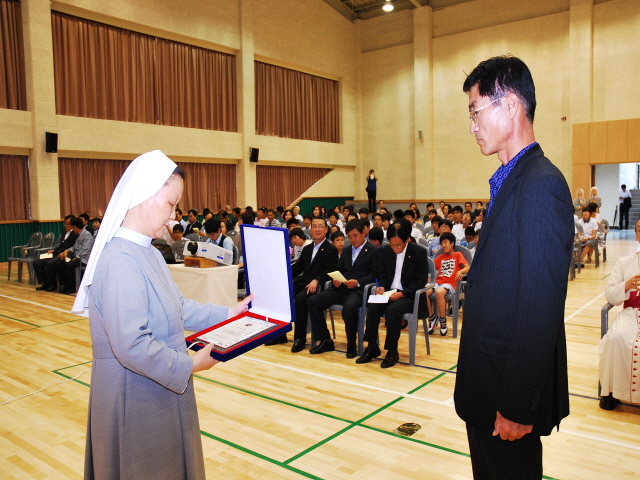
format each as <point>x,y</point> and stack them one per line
<point>451,266</point>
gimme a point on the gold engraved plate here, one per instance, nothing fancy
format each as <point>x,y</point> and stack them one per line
<point>407,429</point>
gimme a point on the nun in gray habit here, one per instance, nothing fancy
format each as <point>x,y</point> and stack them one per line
<point>143,422</point>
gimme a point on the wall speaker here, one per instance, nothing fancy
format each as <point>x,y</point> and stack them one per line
<point>254,155</point>
<point>51,142</point>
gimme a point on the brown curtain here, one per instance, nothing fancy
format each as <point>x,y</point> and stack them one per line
<point>283,185</point>
<point>293,104</point>
<point>14,188</point>
<point>13,86</point>
<point>116,74</point>
<point>208,185</point>
<point>86,184</point>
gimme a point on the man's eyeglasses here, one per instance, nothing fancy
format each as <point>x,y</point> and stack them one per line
<point>474,113</point>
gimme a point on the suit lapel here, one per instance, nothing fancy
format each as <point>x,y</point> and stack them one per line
<point>365,249</point>
<point>504,194</point>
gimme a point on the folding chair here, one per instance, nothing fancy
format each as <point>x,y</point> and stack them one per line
<point>47,244</point>
<point>23,252</point>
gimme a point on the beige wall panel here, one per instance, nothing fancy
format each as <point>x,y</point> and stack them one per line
<point>543,44</point>
<point>207,23</point>
<point>333,184</point>
<point>387,31</point>
<point>581,147</point>
<point>16,130</point>
<point>598,143</point>
<point>388,125</point>
<point>617,141</point>
<point>633,138</point>
<point>129,139</point>
<point>616,63</point>
<point>476,14</point>
<point>581,179</point>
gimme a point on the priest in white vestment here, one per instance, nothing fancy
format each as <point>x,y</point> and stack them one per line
<point>620,347</point>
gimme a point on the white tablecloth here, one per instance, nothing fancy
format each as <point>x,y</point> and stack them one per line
<point>217,285</point>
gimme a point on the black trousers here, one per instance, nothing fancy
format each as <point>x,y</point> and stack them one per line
<point>302,311</point>
<point>66,272</point>
<point>45,270</point>
<point>351,301</point>
<point>495,459</point>
<point>393,312</point>
<point>372,200</point>
<point>624,215</point>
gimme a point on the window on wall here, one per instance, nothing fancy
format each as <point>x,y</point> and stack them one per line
<point>116,74</point>
<point>14,188</point>
<point>13,88</point>
<point>284,185</point>
<point>294,104</point>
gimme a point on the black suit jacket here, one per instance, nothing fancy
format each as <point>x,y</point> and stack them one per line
<point>191,226</point>
<point>513,354</point>
<point>66,244</point>
<point>304,270</point>
<point>365,269</point>
<point>415,269</point>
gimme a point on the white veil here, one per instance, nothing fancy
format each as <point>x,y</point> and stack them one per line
<point>142,179</point>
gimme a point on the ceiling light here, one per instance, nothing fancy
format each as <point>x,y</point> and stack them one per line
<point>388,6</point>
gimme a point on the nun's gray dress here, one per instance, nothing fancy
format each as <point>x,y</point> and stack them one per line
<point>143,422</point>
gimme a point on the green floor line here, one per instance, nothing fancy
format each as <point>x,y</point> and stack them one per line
<point>276,400</point>
<point>605,276</point>
<point>357,423</point>
<point>71,366</point>
<point>259,455</point>
<point>64,375</point>
<point>415,440</point>
<point>22,321</point>
<point>18,331</point>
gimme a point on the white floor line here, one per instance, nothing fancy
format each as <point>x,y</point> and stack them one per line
<point>40,305</point>
<point>583,307</point>
<point>446,403</point>
<point>342,380</point>
<point>600,439</point>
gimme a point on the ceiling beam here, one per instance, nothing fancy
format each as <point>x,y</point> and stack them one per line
<point>342,9</point>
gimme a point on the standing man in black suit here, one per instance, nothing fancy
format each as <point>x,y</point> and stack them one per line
<point>511,384</point>
<point>309,272</point>
<point>358,265</point>
<point>404,267</point>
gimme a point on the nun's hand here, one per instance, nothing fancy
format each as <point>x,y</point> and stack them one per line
<point>240,307</point>
<point>202,359</point>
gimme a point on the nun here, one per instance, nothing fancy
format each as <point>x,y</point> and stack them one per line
<point>143,421</point>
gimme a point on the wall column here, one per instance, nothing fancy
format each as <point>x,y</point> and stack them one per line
<point>246,179</point>
<point>41,101</point>
<point>581,83</point>
<point>423,110</point>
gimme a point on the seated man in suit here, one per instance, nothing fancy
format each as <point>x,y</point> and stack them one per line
<point>78,253</point>
<point>403,268</point>
<point>44,268</point>
<point>85,221</point>
<point>358,265</point>
<point>309,272</point>
<point>194,224</point>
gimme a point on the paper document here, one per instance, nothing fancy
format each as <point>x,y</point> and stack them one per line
<point>236,332</point>
<point>44,256</point>
<point>337,276</point>
<point>390,292</point>
<point>378,299</point>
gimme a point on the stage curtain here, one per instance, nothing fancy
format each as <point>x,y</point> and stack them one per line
<point>14,188</point>
<point>116,74</point>
<point>13,87</point>
<point>208,185</point>
<point>281,186</point>
<point>294,104</point>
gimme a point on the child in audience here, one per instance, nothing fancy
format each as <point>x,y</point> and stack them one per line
<point>298,241</point>
<point>430,214</point>
<point>480,218</point>
<point>376,236</point>
<point>337,238</point>
<point>590,231</point>
<point>451,267</point>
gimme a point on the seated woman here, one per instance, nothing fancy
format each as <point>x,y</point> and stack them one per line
<point>411,261</point>
<point>617,347</point>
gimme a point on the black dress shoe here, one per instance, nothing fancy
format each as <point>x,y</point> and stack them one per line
<point>44,286</point>
<point>277,340</point>
<point>369,354</point>
<point>51,288</point>
<point>608,402</point>
<point>325,345</point>
<point>391,359</point>
<point>62,288</point>
<point>298,345</point>
<point>352,351</point>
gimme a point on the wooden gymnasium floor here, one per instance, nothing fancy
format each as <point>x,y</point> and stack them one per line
<point>271,414</point>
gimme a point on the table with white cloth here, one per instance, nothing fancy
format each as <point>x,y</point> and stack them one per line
<point>217,285</point>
